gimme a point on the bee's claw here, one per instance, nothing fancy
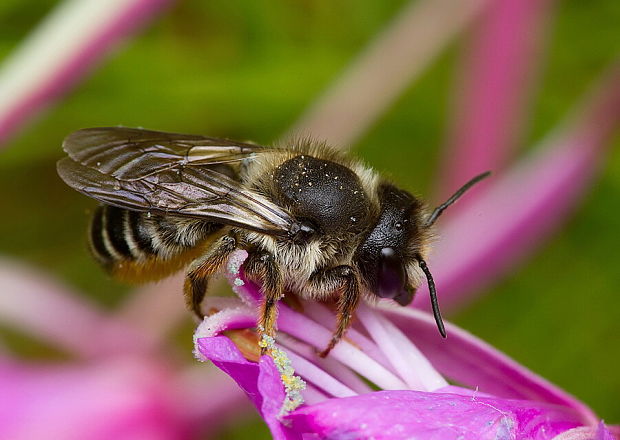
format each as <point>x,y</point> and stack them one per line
<point>327,350</point>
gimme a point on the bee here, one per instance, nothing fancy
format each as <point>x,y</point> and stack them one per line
<point>315,222</point>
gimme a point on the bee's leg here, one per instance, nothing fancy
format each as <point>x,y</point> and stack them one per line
<point>260,266</point>
<point>202,269</point>
<point>342,279</point>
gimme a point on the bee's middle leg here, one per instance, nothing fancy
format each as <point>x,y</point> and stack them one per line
<point>344,280</point>
<point>201,270</point>
<point>261,267</point>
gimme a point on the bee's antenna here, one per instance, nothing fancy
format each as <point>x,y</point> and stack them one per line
<point>441,208</point>
<point>433,292</point>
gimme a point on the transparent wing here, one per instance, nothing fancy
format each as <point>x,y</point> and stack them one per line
<point>133,153</point>
<point>168,173</point>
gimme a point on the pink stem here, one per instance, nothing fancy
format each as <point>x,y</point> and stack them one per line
<point>210,400</point>
<point>372,83</point>
<point>318,336</point>
<point>494,87</point>
<point>523,205</point>
<point>57,78</point>
<point>413,358</point>
<point>313,395</point>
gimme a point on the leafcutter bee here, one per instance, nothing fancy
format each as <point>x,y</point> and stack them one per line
<point>315,222</point>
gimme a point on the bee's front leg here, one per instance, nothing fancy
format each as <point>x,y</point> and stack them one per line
<point>344,280</point>
<point>261,267</point>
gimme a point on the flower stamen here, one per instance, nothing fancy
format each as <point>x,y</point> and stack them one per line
<point>412,366</point>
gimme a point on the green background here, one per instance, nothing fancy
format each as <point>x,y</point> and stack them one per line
<point>247,70</point>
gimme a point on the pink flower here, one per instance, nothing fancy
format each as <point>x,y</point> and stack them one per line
<point>301,395</point>
<point>120,380</point>
<point>398,349</point>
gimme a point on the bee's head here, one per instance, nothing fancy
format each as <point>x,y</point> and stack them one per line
<point>392,254</point>
<point>387,257</point>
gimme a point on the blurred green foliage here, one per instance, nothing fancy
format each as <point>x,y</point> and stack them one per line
<point>247,70</point>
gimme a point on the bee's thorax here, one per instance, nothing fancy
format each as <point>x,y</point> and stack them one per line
<point>322,192</point>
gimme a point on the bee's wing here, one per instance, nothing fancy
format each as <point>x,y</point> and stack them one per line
<point>167,173</point>
<point>134,153</point>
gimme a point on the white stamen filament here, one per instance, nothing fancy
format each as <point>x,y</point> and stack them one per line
<point>332,367</point>
<point>322,314</point>
<point>412,365</point>
<point>312,333</point>
<point>319,377</point>
<point>312,395</point>
<point>394,352</point>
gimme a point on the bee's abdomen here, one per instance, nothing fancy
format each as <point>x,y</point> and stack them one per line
<point>135,241</point>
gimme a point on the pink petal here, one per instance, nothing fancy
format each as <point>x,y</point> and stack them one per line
<point>122,400</point>
<point>39,306</point>
<point>412,414</point>
<point>232,314</point>
<point>603,433</point>
<point>155,310</point>
<point>521,206</point>
<point>615,431</point>
<point>493,91</point>
<point>74,37</point>
<point>600,432</point>
<point>261,382</point>
<point>471,362</point>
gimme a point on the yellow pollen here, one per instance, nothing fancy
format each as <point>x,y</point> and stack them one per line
<point>293,385</point>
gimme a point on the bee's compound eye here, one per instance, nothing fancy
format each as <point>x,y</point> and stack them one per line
<point>391,279</point>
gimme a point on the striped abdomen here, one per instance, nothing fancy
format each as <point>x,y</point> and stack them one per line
<point>138,246</point>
